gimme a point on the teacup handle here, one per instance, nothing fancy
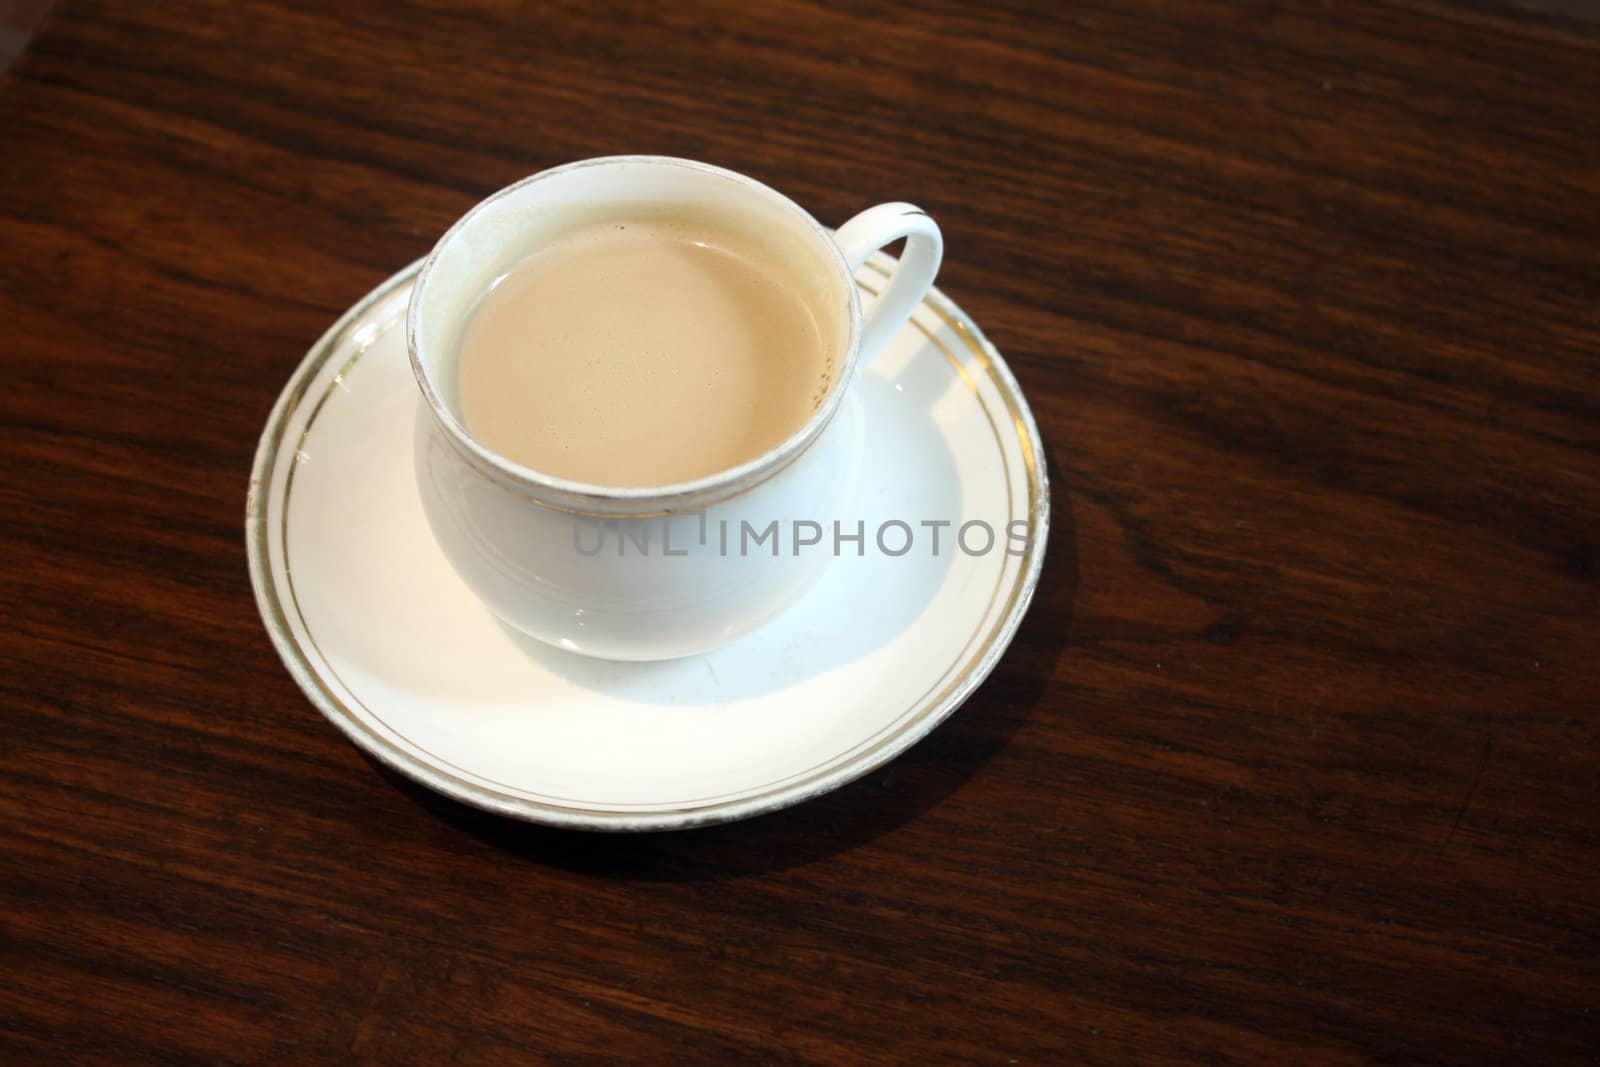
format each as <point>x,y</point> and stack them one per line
<point>912,278</point>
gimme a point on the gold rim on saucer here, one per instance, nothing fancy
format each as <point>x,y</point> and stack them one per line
<point>364,324</point>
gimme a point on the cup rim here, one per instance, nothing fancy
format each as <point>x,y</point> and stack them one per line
<point>593,498</point>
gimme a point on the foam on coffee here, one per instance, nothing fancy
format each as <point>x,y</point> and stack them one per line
<point>643,350</point>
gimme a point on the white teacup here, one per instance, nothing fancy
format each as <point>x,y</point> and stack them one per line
<point>631,573</point>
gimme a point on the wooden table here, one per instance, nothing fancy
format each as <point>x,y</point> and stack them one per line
<point>1296,759</point>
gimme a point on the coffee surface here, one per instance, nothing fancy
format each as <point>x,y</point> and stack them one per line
<point>642,352</point>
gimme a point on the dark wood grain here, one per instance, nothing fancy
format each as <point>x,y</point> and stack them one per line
<point>1296,759</point>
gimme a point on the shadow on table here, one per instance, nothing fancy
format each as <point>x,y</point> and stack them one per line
<point>850,816</point>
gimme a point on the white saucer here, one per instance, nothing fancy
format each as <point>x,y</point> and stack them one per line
<point>386,641</point>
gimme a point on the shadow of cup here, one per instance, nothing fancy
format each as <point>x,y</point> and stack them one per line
<point>852,815</point>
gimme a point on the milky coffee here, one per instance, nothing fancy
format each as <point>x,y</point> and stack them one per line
<point>643,351</point>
